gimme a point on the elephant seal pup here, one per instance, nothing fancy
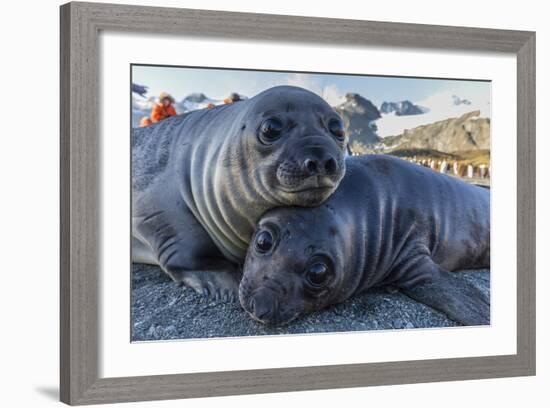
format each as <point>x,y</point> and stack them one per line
<point>390,222</point>
<point>202,180</point>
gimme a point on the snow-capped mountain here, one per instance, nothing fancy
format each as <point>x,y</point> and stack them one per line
<point>402,108</point>
<point>358,104</point>
<point>141,90</point>
<point>194,101</point>
<point>359,116</point>
<point>445,123</point>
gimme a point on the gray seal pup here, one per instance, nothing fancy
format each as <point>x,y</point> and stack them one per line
<point>202,180</point>
<point>389,223</point>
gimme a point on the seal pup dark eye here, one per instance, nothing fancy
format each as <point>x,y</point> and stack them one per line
<point>264,242</point>
<point>317,274</point>
<point>336,127</point>
<point>270,130</point>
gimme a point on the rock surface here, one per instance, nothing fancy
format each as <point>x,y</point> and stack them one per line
<point>359,115</point>
<point>162,310</point>
<point>465,133</point>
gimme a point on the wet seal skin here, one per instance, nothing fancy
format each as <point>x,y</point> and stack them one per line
<point>390,223</point>
<point>202,180</point>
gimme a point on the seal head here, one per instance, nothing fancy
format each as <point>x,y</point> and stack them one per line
<point>296,142</point>
<point>293,265</point>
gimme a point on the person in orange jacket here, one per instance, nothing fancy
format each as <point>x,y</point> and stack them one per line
<point>163,109</point>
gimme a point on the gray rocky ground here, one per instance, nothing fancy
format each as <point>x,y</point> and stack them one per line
<point>162,310</point>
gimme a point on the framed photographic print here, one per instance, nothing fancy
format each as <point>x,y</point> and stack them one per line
<point>258,203</point>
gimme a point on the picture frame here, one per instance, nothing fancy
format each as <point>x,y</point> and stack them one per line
<point>80,158</point>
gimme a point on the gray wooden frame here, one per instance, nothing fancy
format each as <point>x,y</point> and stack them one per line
<point>80,192</point>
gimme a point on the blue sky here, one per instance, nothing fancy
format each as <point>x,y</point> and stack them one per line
<point>218,83</point>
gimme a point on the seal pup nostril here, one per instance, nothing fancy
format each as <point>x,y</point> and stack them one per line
<point>311,167</point>
<point>330,166</point>
<point>314,167</point>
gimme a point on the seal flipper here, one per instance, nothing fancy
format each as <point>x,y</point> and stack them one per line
<point>205,273</point>
<point>220,284</point>
<point>179,245</point>
<point>216,278</point>
<point>459,299</point>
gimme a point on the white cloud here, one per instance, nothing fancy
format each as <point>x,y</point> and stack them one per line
<point>443,104</point>
<point>330,93</point>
